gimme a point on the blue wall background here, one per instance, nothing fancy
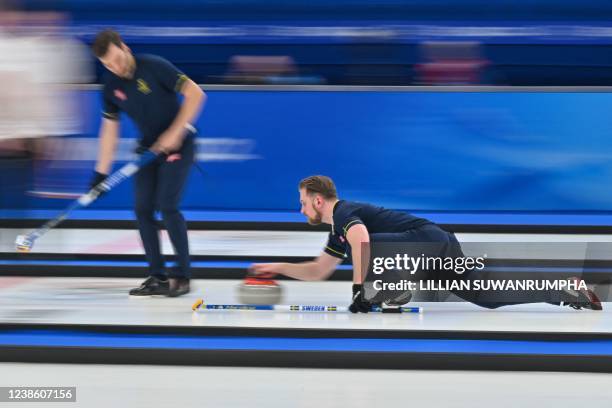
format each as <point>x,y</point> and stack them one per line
<point>438,151</point>
<point>326,9</point>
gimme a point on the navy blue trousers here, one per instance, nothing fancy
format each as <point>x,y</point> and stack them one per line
<point>450,247</point>
<point>159,187</point>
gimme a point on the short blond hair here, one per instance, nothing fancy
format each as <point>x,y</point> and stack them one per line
<point>320,185</point>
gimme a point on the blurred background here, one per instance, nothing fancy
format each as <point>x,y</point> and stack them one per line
<point>422,105</point>
<point>358,42</point>
<point>489,117</point>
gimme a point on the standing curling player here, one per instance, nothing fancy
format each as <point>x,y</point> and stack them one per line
<point>355,224</point>
<point>147,88</point>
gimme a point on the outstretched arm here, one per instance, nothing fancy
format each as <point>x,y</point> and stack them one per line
<point>319,269</point>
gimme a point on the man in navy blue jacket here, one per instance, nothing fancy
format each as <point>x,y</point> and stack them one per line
<point>354,225</point>
<point>147,88</point>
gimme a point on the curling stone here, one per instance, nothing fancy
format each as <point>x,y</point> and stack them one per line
<point>258,291</point>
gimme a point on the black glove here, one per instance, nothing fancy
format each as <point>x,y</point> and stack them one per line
<point>96,179</point>
<point>359,305</point>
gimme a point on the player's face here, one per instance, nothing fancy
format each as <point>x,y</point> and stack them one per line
<point>309,204</point>
<point>118,61</point>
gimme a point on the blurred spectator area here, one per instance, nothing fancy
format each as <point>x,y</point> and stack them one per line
<point>346,42</point>
<point>40,107</point>
<point>262,69</point>
<point>451,63</point>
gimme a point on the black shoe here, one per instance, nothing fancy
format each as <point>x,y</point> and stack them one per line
<point>584,299</point>
<point>178,287</point>
<point>399,300</point>
<point>152,286</point>
<point>392,297</point>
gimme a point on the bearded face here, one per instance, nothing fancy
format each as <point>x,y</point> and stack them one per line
<point>309,208</point>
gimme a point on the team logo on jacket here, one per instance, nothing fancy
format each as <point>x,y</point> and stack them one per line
<point>143,86</point>
<point>119,94</point>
